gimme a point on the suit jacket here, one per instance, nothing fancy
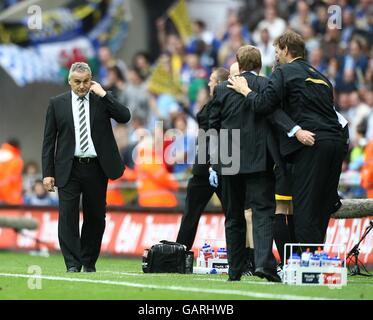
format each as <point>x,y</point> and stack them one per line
<point>59,136</point>
<point>229,111</point>
<point>307,98</point>
<point>203,123</point>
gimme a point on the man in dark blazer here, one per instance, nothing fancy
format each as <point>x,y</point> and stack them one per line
<point>79,156</point>
<point>249,140</point>
<point>307,97</point>
<point>199,190</point>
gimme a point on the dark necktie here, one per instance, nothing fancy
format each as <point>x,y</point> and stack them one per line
<point>83,132</point>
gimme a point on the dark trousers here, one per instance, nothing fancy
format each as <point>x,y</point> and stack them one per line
<point>89,181</point>
<point>316,172</point>
<point>199,192</point>
<point>262,201</point>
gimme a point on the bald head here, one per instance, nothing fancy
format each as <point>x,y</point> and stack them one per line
<point>234,70</point>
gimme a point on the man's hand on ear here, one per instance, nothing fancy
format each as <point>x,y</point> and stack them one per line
<point>97,89</point>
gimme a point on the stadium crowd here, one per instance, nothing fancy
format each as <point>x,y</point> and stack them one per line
<point>344,55</point>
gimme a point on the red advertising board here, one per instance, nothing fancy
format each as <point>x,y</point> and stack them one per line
<point>128,233</point>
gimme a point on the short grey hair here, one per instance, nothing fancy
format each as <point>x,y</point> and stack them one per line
<point>80,67</point>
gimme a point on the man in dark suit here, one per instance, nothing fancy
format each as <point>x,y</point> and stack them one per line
<point>248,139</point>
<point>307,97</point>
<point>199,190</point>
<point>79,155</point>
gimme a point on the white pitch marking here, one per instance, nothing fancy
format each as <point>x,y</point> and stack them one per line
<point>171,288</point>
<point>243,281</point>
<point>133,273</point>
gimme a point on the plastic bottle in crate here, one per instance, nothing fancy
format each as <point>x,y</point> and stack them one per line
<point>314,261</point>
<point>207,252</point>
<point>294,260</point>
<point>222,253</point>
<point>305,259</point>
<point>335,262</point>
<point>324,260</point>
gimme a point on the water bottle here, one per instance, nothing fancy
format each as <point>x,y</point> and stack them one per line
<point>324,259</point>
<point>294,260</point>
<point>222,253</point>
<point>305,259</point>
<point>206,250</point>
<point>314,260</point>
<point>335,262</point>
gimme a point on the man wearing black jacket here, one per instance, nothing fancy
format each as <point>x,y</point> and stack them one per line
<point>249,140</point>
<point>79,155</point>
<point>307,97</point>
<point>199,190</point>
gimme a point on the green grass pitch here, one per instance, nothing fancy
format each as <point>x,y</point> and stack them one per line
<point>122,278</point>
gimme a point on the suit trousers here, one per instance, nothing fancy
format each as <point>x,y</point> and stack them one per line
<point>90,181</point>
<point>199,192</point>
<point>262,201</point>
<point>316,172</point>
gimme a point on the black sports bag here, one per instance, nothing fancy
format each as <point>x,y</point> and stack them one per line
<point>167,257</point>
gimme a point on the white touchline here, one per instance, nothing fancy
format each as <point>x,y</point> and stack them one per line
<point>135,273</point>
<point>172,288</point>
<point>242,281</point>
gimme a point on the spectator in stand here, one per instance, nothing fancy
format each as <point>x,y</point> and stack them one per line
<point>107,60</point>
<point>357,59</point>
<point>370,20</point>
<point>181,152</point>
<point>200,33</point>
<point>353,66</point>
<point>361,13</point>
<point>310,39</point>
<point>267,50</point>
<point>11,165</point>
<point>115,81</point>
<point>348,22</point>
<point>344,104</point>
<point>254,11</point>
<point>39,196</point>
<point>369,72</point>
<point>369,101</point>
<point>141,60</point>
<point>330,43</point>
<point>302,18</point>
<point>156,187</point>
<point>234,20</point>
<point>332,70</point>
<point>367,170</point>
<point>193,76</point>
<point>320,23</point>
<point>229,47</point>
<point>172,44</point>
<point>135,95</point>
<point>30,175</point>
<point>359,111</point>
<point>272,22</point>
<point>316,60</point>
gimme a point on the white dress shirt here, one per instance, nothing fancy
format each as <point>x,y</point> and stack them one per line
<point>75,102</point>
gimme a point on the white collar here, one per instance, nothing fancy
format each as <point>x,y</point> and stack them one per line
<point>76,97</point>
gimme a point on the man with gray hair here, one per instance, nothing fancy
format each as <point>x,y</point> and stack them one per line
<point>79,156</point>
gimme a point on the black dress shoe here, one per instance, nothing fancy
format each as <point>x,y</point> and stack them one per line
<point>236,277</point>
<point>89,269</point>
<point>270,275</point>
<point>73,269</point>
